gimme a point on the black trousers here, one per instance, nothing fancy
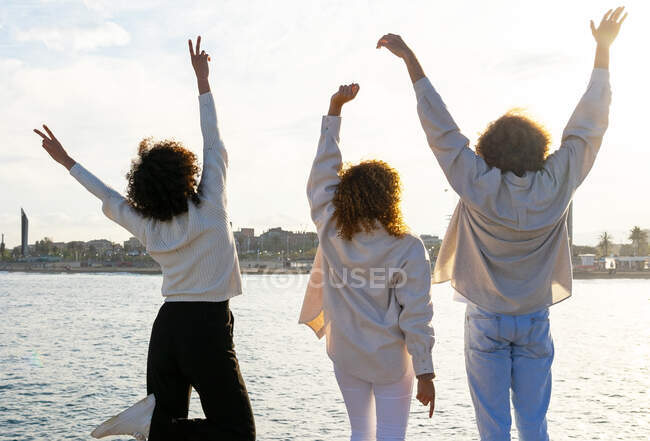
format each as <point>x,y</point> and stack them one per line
<point>191,345</point>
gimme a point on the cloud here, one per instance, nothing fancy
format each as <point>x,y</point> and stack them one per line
<point>108,34</point>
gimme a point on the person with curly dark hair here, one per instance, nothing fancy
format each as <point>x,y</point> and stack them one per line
<point>514,143</point>
<point>183,223</point>
<point>506,250</point>
<point>163,179</point>
<point>369,291</point>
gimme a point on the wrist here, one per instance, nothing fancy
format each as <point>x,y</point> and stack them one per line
<point>602,46</point>
<point>409,56</point>
<point>68,162</point>
<point>204,85</point>
<point>601,60</point>
<point>426,377</point>
<point>335,109</point>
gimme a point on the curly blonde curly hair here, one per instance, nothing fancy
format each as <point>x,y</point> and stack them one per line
<point>367,193</point>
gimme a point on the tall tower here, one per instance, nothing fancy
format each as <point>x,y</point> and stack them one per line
<point>24,229</point>
<point>2,247</point>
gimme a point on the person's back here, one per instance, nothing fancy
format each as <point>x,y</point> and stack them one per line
<point>507,247</point>
<point>364,282</point>
<point>195,248</point>
<point>183,224</point>
<point>369,288</point>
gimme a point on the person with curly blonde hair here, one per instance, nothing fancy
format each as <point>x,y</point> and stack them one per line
<point>182,221</point>
<point>506,251</point>
<point>367,193</point>
<point>369,288</point>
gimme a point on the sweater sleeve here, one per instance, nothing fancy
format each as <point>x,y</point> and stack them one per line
<point>583,134</point>
<point>215,157</point>
<point>114,206</point>
<point>413,293</point>
<point>324,177</point>
<point>466,172</point>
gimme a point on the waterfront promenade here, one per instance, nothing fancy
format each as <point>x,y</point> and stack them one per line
<point>252,269</point>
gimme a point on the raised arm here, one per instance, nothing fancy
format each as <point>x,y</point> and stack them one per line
<point>584,132</point>
<point>465,171</point>
<point>114,205</point>
<point>324,176</point>
<point>215,158</point>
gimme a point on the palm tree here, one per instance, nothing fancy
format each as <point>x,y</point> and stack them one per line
<point>605,243</point>
<point>638,238</point>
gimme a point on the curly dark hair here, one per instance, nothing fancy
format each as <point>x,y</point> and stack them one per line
<point>515,143</point>
<point>368,192</point>
<point>162,179</point>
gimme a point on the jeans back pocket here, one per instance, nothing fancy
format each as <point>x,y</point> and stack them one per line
<point>539,343</point>
<point>484,333</point>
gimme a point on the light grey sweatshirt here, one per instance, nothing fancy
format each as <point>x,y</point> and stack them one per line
<point>196,250</point>
<point>507,247</point>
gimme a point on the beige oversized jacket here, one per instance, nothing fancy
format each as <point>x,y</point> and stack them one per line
<point>507,248</point>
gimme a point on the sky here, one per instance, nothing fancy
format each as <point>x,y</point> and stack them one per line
<point>103,74</point>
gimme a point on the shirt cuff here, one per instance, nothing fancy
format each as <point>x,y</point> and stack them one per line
<point>421,85</point>
<point>599,75</point>
<point>76,170</point>
<point>206,98</point>
<point>331,124</point>
<point>423,364</point>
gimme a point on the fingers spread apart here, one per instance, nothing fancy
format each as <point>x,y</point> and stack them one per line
<point>44,136</point>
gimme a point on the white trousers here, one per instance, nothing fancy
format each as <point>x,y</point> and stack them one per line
<point>376,411</point>
<point>504,353</point>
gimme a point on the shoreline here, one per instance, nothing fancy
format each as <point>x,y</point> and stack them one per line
<point>131,270</point>
<point>581,275</point>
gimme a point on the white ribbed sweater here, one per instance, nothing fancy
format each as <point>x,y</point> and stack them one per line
<point>196,250</point>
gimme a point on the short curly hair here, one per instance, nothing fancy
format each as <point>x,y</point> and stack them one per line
<point>515,142</point>
<point>367,193</point>
<point>162,179</point>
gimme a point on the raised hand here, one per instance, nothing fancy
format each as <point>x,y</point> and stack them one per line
<point>395,44</point>
<point>342,96</point>
<point>607,30</point>
<point>200,64</point>
<point>54,148</point>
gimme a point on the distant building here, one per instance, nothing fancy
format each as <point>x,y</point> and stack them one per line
<point>24,230</point>
<point>133,247</point>
<point>587,259</point>
<point>2,247</point>
<point>247,232</point>
<point>245,240</point>
<point>101,246</point>
<point>277,239</point>
<point>430,241</point>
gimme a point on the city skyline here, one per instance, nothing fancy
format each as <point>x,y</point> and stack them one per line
<point>108,74</point>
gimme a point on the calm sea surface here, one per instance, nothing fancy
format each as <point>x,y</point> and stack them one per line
<point>73,352</point>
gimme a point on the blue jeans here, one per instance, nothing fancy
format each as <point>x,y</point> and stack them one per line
<point>504,352</point>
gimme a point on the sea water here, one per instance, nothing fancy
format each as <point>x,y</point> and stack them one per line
<point>73,351</point>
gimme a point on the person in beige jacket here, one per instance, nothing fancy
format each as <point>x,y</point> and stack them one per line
<point>369,291</point>
<point>506,251</point>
